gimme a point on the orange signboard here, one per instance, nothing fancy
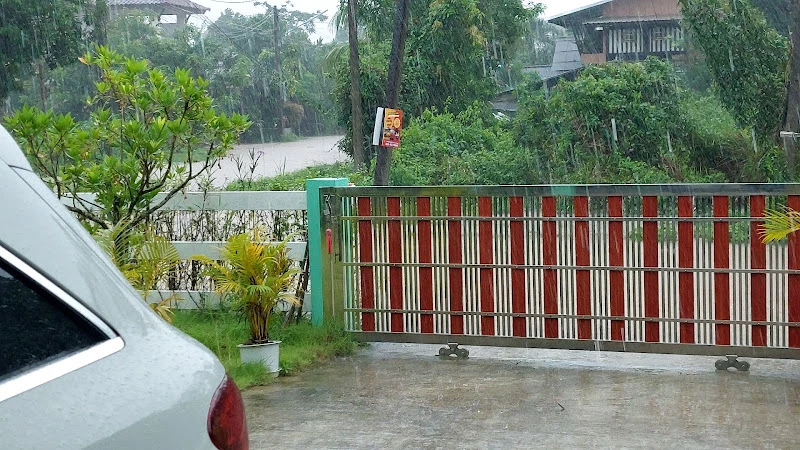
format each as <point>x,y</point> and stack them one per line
<point>392,126</point>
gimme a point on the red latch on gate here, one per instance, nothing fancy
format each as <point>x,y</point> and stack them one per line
<point>329,240</point>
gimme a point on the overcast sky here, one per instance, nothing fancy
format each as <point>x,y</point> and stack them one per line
<point>323,31</point>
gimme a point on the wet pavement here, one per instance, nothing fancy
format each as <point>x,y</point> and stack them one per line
<point>402,396</point>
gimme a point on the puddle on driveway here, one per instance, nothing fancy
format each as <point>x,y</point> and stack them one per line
<point>402,396</point>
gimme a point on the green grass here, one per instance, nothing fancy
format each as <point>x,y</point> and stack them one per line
<point>296,181</point>
<point>302,346</point>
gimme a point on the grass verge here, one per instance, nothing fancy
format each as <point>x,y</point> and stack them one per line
<point>302,345</point>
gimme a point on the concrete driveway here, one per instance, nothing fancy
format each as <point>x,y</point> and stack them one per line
<point>402,396</point>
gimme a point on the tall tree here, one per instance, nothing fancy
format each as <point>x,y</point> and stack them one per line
<point>791,114</point>
<point>775,11</point>
<point>747,59</point>
<point>395,78</point>
<point>44,33</point>
<point>359,156</point>
<point>443,68</point>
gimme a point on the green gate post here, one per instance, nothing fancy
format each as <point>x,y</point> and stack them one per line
<point>317,243</point>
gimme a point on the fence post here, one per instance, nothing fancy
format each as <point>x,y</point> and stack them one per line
<point>317,246</point>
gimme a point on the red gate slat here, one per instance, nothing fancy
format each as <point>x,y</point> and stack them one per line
<point>794,279</point>
<point>550,258</point>
<point>758,281</point>
<point>518,294</point>
<point>583,280</point>
<point>686,261</point>
<point>616,258</point>
<point>650,241</point>
<point>395,256</point>
<point>425,257</point>
<point>486,242</point>
<point>365,256</point>
<point>455,256</point>
<point>722,294</point>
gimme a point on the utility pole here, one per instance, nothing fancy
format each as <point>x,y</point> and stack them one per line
<point>384,162</point>
<point>282,99</point>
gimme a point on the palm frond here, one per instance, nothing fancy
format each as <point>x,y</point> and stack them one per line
<point>779,224</point>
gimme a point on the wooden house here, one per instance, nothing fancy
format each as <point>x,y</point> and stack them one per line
<point>626,30</point>
<point>170,14</point>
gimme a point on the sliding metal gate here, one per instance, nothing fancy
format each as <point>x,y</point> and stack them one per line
<point>650,268</point>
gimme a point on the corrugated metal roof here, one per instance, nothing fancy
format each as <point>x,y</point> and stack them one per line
<point>566,57</point>
<point>183,5</point>
<point>632,20</point>
<point>577,10</point>
<point>544,72</point>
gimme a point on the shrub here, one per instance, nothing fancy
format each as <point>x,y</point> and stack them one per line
<point>469,148</point>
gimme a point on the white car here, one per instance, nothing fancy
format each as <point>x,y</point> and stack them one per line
<point>84,363</point>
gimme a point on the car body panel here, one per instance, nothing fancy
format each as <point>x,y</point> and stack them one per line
<point>153,393</point>
<point>10,153</point>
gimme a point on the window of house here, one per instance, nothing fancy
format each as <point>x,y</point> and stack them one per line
<point>36,327</point>
<point>629,36</point>
<point>659,34</point>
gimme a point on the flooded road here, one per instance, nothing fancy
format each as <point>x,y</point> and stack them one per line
<point>402,396</point>
<point>275,158</point>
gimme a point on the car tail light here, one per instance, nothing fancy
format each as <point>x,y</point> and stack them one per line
<point>227,426</point>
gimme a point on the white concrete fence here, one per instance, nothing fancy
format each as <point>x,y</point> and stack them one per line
<point>221,202</point>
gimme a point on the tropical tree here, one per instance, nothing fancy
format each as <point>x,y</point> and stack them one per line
<point>354,64</point>
<point>145,129</point>
<point>747,59</point>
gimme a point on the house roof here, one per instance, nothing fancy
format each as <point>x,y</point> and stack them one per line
<point>566,57</point>
<point>577,10</point>
<point>544,72</point>
<point>620,11</point>
<point>604,20</point>
<point>187,6</point>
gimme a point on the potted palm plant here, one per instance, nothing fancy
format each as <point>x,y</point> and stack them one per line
<point>255,276</point>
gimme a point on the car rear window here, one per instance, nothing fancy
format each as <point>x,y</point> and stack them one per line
<point>36,327</point>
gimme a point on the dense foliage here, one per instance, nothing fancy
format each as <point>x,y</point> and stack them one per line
<point>630,123</point>
<point>44,34</point>
<point>455,55</point>
<point>144,126</point>
<point>236,54</point>
<point>471,147</point>
<point>747,58</point>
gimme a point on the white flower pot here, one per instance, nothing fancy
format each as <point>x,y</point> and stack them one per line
<point>266,354</point>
